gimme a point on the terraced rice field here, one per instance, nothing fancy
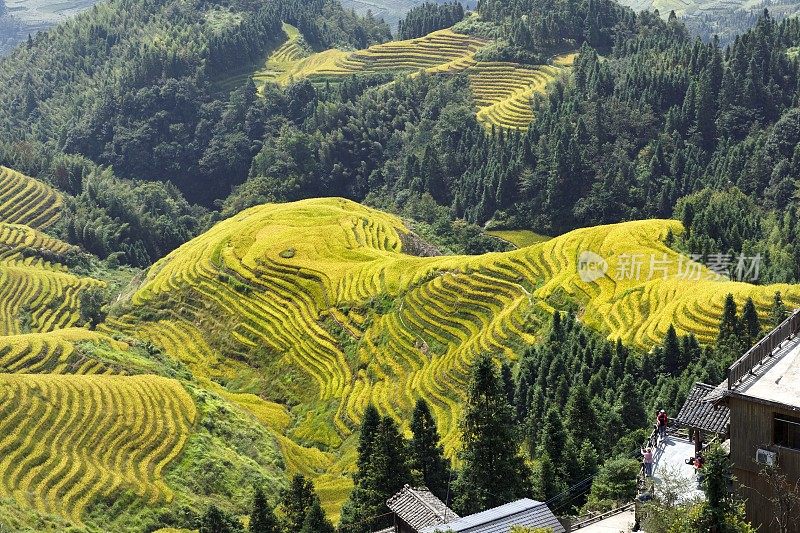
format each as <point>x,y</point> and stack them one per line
<point>66,440</point>
<point>72,428</point>
<point>283,59</point>
<point>502,90</point>
<point>435,49</point>
<point>53,353</point>
<point>24,200</point>
<point>268,281</point>
<point>37,293</point>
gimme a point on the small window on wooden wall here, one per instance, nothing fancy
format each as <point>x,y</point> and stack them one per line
<point>787,431</point>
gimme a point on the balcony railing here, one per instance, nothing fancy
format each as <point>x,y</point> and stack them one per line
<point>764,348</point>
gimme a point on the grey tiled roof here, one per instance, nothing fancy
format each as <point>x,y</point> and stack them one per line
<point>525,512</point>
<point>419,508</point>
<point>699,412</point>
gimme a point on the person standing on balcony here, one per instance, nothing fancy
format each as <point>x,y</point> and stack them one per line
<point>647,459</point>
<point>661,422</point>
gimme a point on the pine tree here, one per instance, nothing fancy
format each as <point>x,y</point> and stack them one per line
<point>547,483</point>
<point>579,415</point>
<point>262,519</point>
<point>556,330</point>
<point>381,474</point>
<point>427,455</point>
<point>389,466</point>
<point>296,500</point>
<point>750,324</point>
<point>316,521</point>
<point>630,405</point>
<point>588,460</point>
<point>369,427</point>
<point>553,436</point>
<point>435,181</point>
<point>508,381</point>
<point>706,110</point>
<point>494,472</point>
<point>672,352</point>
<point>729,325</point>
<point>217,521</point>
<point>690,350</point>
<point>778,312</point>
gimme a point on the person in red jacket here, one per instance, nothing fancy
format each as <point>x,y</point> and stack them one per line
<point>661,422</point>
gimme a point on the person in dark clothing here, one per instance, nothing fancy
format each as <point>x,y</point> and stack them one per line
<point>661,422</point>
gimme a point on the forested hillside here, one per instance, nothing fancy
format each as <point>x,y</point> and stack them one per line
<point>243,242</point>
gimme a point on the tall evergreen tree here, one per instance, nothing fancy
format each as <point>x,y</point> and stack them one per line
<point>366,437</point>
<point>296,500</point>
<point>579,415</point>
<point>548,482</point>
<point>389,466</point>
<point>508,381</point>
<point>262,519</point>
<point>381,474</point>
<point>553,436</point>
<point>729,325</point>
<point>778,313</point>
<point>751,327</point>
<point>630,405</point>
<point>672,352</point>
<point>556,328</point>
<point>427,455</point>
<point>690,350</point>
<point>316,521</point>
<point>493,472</point>
<point>215,520</point>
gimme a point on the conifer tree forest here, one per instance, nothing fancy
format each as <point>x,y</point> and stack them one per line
<point>149,118</point>
<point>577,410</point>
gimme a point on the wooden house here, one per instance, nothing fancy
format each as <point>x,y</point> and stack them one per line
<point>762,393</point>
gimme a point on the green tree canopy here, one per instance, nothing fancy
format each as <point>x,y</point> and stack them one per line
<point>316,521</point>
<point>262,519</point>
<point>427,455</point>
<point>215,520</point>
<point>494,472</point>
<point>296,500</point>
<point>778,313</point>
<point>383,469</point>
<point>751,326</point>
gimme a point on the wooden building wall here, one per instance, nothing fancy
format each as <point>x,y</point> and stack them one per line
<point>752,428</point>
